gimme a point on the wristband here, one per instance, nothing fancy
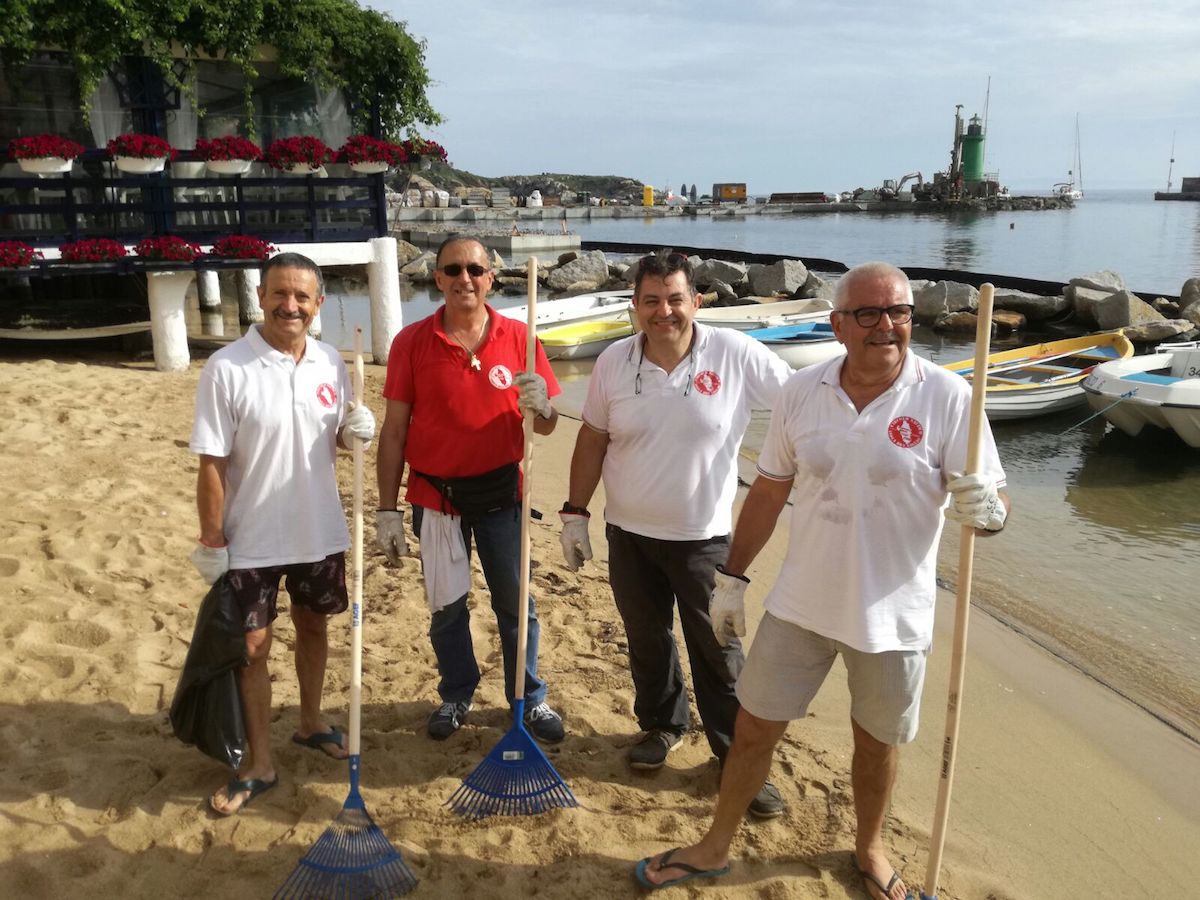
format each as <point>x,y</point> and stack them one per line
<point>721,569</point>
<point>575,510</point>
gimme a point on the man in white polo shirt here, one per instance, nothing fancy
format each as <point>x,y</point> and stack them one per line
<point>663,421</point>
<point>872,444</point>
<point>271,410</point>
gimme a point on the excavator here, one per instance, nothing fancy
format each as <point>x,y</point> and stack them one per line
<point>890,190</point>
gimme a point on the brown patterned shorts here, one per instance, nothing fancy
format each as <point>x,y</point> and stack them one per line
<point>319,587</point>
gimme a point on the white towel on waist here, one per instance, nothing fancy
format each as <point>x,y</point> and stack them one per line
<point>443,559</point>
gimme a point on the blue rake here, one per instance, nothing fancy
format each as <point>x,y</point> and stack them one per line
<point>516,779</point>
<point>352,859</point>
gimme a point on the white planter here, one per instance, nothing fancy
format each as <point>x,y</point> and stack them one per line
<point>304,169</point>
<point>136,165</point>
<point>46,165</point>
<point>369,168</point>
<point>229,166</point>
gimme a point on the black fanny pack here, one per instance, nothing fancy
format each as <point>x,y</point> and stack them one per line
<point>478,495</point>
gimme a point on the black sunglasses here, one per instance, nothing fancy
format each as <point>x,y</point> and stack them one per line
<point>475,270</point>
<point>869,316</point>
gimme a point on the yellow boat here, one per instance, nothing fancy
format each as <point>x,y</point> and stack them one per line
<point>1043,378</point>
<point>584,339</point>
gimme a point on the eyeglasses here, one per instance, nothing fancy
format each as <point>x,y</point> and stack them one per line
<point>475,270</point>
<point>869,316</point>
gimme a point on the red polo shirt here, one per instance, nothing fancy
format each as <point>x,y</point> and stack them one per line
<point>465,421</point>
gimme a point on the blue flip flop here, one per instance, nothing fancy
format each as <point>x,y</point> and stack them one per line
<point>691,872</point>
<point>255,786</point>
<point>317,741</point>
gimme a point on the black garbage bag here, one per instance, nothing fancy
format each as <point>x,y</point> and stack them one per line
<point>207,708</point>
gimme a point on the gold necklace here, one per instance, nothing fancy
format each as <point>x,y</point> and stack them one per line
<point>474,360</point>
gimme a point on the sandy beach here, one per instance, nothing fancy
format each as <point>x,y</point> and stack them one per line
<point>1063,789</point>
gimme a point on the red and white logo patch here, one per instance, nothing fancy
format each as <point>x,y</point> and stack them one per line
<point>707,382</point>
<point>905,431</point>
<point>500,377</point>
<point>326,395</point>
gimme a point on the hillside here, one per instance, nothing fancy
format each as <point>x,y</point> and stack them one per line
<point>550,184</point>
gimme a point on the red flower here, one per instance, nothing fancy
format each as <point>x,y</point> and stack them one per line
<point>92,250</point>
<point>226,148</point>
<point>364,148</point>
<point>15,255</point>
<point>141,146</point>
<point>293,151</point>
<point>420,147</point>
<point>167,247</point>
<point>243,246</point>
<point>40,146</point>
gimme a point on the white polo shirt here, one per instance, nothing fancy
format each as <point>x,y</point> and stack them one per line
<point>277,421</point>
<point>670,471</point>
<point>868,501</point>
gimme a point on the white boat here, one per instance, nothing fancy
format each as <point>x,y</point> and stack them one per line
<point>800,345</point>
<point>580,308</point>
<point>1160,389</point>
<point>765,315</point>
<point>1067,189</point>
<point>1043,378</point>
<point>582,340</point>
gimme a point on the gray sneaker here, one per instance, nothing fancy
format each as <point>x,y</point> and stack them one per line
<point>447,719</point>
<point>767,803</point>
<point>544,723</point>
<point>651,751</point>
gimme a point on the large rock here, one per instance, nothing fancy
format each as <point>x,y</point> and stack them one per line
<point>1151,332</point>
<point>1109,282</point>
<point>407,252</point>
<point>783,277</point>
<point>588,268</point>
<point>1008,321</point>
<point>957,323</point>
<point>421,268</point>
<point>815,287</point>
<point>724,292</point>
<point>1122,309</point>
<point>1192,313</point>
<point>1033,307</point>
<point>1083,301</point>
<point>709,271</point>
<point>939,298</point>
<point>1189,293</point>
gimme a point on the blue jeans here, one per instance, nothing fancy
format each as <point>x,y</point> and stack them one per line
<point>498,539</point>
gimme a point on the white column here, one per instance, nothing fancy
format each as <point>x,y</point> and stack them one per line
<point>168,327</point>
<point>383,287</point>
<point>208,288</point>
<point>248,309</point>
<point>314,327</point>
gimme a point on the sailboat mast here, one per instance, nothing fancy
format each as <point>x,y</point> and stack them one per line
<point>1078,158</point>
<point>1171,166</point>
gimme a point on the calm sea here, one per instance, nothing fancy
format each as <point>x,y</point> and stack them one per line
<point>1102,560</point>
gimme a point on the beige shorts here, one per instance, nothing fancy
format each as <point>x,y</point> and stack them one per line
<point>787,665</point>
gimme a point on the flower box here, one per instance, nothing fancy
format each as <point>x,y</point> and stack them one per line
<point>298,155</point>
<point>230,155</point>
<point>140,146</point>
<point>134,165</point>
<point>44,154</point>
<point>17,255</point>
<point>370,156</point>
<point>242,246</point>
<point>423,152</point>
<point>167,248</point>
<point>369,168</point>
<point>92,250</point>
<point>46,165</point>
<point>228,166</point>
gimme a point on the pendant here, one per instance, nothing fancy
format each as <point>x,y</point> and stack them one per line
<point>475,364</point>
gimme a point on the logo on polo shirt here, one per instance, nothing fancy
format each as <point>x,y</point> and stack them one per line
<point>500,377</point>
<point>326,395</point>
<point>905,431</point>
<point>707,382</point>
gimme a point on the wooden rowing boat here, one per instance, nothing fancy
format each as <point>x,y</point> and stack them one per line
<point>1043,378</point>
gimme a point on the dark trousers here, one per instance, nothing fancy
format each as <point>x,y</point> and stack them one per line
<point>648,576</point>
<point>498,539</point>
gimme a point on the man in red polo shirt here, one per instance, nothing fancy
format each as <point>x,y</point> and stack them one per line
<point>456,393</point>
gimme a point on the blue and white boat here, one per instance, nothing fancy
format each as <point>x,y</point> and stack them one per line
<point>800,345</point>
<point>1160,389</point>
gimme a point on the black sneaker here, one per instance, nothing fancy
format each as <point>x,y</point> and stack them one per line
<point>651,751</point>
<point>447,719</point>
<point>767,803</point>
<point>544,723</point>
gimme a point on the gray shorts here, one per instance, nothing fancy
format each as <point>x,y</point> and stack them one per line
<point>787,665</point>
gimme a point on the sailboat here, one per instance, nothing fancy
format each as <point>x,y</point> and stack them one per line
<point>1067,189</point>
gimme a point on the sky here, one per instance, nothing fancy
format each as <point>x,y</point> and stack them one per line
<point>808,96</point>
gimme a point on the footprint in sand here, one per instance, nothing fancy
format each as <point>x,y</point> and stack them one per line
<point>84,635</point>
<point>9,566</point>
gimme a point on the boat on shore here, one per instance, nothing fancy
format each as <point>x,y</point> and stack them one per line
<point>765,315</point>
<point>1160,389</point>
<point>1043,378</point>
<point>580,308</point>
<point>800,345</point>
<point>583,340</point>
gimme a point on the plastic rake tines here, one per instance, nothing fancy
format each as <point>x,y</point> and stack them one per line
<point>515,779</point>
<point>352,859</point>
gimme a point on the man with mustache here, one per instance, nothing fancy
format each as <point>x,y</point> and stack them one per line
<point>663,421</point>
<point>872,444</point>
<point>271,411</point>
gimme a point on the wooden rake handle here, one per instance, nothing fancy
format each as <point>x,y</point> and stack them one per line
<point>356,598</point>
<point>526,482</point>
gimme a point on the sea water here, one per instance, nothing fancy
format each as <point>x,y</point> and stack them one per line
<point>1101,561</point>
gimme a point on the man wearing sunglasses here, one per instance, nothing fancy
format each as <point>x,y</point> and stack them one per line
<point>456,395</point>
<point>872,443</point>
<point>663,421</point>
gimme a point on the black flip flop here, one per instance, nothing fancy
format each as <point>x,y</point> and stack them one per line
<point>879,886</point>
<point>255,786</point>
<point>317,741</point>
<point>690,872</point>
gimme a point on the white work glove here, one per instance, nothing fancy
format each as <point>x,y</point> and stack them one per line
<point>359,423</point>
<point>576,544</point>
<point>210,562</point>
<point>974,501</point>
<point>727,608</point>
<point>532,396</point>
<point>389,535</point>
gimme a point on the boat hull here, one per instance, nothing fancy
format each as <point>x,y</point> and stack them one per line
<point>1155,390</point>
<point>583,340</point>
<point>765,315</point>
<point>800,345</point>
<point>568,310</point>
